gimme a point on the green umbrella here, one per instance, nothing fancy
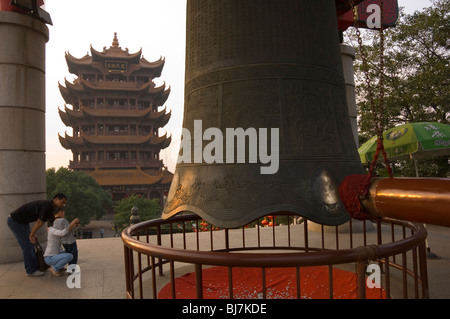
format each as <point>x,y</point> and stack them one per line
<point>412,140</point>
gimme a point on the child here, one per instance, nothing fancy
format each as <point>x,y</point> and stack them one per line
<point>53,256</point>
<point>69,241</point>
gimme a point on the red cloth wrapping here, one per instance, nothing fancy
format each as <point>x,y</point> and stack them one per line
<point>281,283</point>
<point>350,190</point>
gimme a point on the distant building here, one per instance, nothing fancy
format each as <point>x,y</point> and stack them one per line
<point>115,121</point>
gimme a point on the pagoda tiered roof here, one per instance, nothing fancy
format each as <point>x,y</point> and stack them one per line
<point>68,116</point>
<point>88,62</point>
<point>81,86</point>
<point>97,58</point>
<point>131,177</point>
<point>70,142</point>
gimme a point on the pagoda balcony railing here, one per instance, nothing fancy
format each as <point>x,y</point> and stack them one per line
<point>118,107</point>
<point>118,133</point>
<point>118,84</point>
<point>83,164</point>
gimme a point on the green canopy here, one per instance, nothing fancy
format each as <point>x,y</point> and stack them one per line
<point>416,140</point>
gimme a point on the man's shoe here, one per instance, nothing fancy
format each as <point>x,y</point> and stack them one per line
<point>37,273</point>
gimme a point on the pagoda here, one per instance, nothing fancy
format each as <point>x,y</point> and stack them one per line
<point>115,119</point>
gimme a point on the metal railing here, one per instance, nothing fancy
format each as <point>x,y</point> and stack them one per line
<point>155,247</point>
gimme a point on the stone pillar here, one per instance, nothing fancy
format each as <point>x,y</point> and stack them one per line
<point>348,56</point>
<point>22,121</point>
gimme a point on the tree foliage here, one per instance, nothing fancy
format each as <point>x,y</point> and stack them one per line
<point>416,68</point>
<point>85,197</point>
<point>416,75</point>
<point>148,209</point>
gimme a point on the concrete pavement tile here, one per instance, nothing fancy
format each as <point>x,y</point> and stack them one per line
<point>91,278</point>
<point>114,288</point>
<point>4,268</point>
<point>26,296</point>
<point>14,277</point>
<point>31,286</point>
<point>6,292</point>
<point>73,293</point>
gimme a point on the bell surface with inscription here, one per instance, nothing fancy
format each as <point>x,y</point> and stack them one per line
<point>266,75</point>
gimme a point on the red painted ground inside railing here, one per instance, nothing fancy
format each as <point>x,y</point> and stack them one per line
<point>281,283</point>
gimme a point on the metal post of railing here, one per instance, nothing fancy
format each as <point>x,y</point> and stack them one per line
<point>330,280</point>
<point>172,279</point>
<point>305,225</point>
<point>154,290</point>
<point>423,270</point>
<point>387,278</point>
<point>129,272</point>
<point>264,284</point>
<point>158,234</point>
<point>230,281</point>
<point>361,279</point>
<point>141,292</point>
<point>128,280</point>
<point>198,281</point>
<point>416,273</point>
<point>405,276</point>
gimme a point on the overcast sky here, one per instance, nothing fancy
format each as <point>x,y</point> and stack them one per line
<point>158,27</point>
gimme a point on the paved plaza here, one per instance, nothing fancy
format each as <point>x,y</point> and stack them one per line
<point>103,277</point>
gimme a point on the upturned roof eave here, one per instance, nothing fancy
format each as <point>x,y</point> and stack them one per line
<point>126,177</point>
<point>116,53</point>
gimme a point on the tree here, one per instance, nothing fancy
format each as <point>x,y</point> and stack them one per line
<point>416,67</point>
<point>148,209</point>
<point>85,197</point>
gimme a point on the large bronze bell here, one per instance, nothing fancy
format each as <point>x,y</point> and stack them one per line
<point>271,68</point>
